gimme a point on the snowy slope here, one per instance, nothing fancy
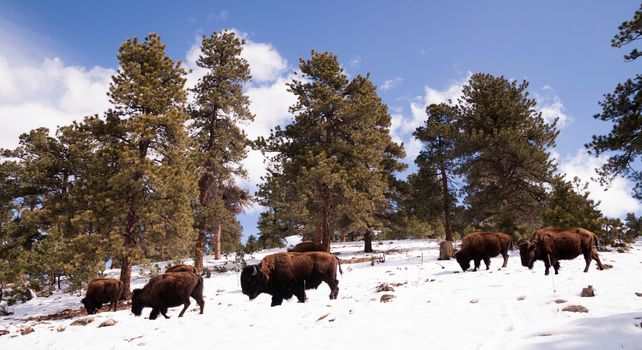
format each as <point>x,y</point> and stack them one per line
<point>436,306</point>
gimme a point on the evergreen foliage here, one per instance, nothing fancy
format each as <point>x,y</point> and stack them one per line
<point>219,144</point>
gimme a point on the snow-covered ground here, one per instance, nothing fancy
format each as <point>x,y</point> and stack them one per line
<point>435,306</point>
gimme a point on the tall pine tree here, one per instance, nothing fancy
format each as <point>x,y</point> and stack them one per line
<point>331,167</point>
<point>219,143</point>
<point>506,161</point>
<point>623,108</point>
<point>145,141</point>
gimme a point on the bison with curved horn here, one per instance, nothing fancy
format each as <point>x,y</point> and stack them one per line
<point>168,290</point>
<point>284,275</point>
<point>553,244</point>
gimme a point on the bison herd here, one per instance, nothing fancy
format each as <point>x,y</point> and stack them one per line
<point>288,274</point>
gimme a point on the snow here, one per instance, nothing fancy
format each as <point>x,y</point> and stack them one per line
<point>436,306</point>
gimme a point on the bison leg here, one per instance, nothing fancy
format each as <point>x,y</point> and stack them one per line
<point>477,263</point>
<point>185,306</point>
<point>299,292</point>
<point>334,289</point>
<point>487,262</point>
<point>547,265</point>
<point>201,303</point>
<point>505,256</point>
<point>163,312</point>
<point>154,313</point>
<point>276,300</point>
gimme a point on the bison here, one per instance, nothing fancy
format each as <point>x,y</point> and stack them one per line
<point>284,275</point>
<point>181,268</point>
<point>168,290</point>
<point>553,244</point>
<point>100,291</point>
<point>307,247</point>
<point>478,246</point>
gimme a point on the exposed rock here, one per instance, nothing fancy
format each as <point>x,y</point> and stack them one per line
<point>575,308</point>
<point>638,294</point>
<point>3,332</point>
<point>108,323</point>
<point>521,297</point>
<point>26,330</point>
<point>560,301</point>
<point>82,321</point>
<point>61,329</point>
<point>386,298</point>
<point>474,301</point>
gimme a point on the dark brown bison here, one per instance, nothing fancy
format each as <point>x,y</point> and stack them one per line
<point>284,275</point>
<point>307,247</point>
<point>168,290</point>
<point>181,268</point>
<point>100,291</point>
<point>478,246</point>
<point>553,244</point>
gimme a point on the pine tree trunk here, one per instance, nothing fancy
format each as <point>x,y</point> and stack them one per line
<point>446,202</point>
<point>446,250</point>
<point>367,240</point>
<point>344,235</point>
<point>318,234</point>
<point>326,226</point>
<point>217,242</point>
<point>199,250</point>
<point>126,276</point>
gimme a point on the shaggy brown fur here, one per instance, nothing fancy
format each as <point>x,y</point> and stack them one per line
<point>553,244</point>
<point>100,291</point>
<point>168,290</point>
<point>181,268</point>
<point>306,247</point>
<point>284,275</point>
<point>478,246</point>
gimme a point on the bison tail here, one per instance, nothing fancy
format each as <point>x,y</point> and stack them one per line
<point>595,241</point>
<point>198,290</point>
<point>121,290</point>
<point>339,263</point>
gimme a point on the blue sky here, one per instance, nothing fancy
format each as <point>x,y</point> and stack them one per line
<point>59,55</point>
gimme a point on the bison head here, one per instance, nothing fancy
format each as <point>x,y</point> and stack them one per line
<point>137,303</point>
<point>527,254</point>
<point>90,306</point>
<point>251,282</point>
<point>463,262</point>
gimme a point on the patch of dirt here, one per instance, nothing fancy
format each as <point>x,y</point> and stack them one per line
<point>69,313</point>
<point>575,308</point>
<point>384,287</point>
<point>386,298</point>
<point>560,301</point>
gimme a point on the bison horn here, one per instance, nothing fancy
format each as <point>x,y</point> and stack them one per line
<point>254,271</point>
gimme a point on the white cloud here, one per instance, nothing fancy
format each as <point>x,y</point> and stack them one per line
<point>390,84</point>
<point>551,107</point>
<point>402,126</point>
<point>617,200</point>
<point>355,61</point>
<point>49,95</point>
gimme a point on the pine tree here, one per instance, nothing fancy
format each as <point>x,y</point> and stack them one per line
<point>335,159</point>
<point>144,142</point>
<point>622,108</point>
<point>220,145</point>
<point>506,162</point>
<point>440,136</point>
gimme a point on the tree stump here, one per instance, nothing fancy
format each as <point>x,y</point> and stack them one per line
<point>588,292</point>
<point>446,250</point>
